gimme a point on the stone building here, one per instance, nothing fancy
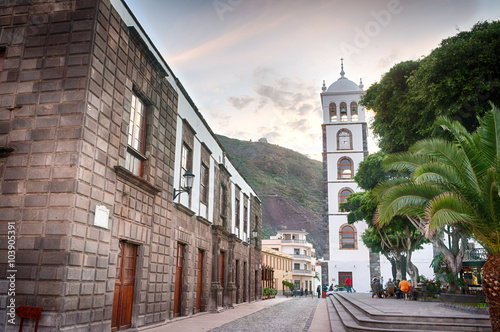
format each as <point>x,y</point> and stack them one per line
<point>96,135</point>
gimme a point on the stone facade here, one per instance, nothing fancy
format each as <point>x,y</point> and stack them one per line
<point>70,72</point>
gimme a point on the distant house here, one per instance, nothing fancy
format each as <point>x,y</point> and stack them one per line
<point>304,262</point>
<point>276,268</point>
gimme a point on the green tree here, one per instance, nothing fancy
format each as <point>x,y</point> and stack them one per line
<point>394,109</point>
<point>457,79</point>
<point>460,76</point>
<point>455,183</point>
<point>397,240</point>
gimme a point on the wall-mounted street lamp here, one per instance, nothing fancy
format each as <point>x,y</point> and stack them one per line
<point>188,184</point>
<point>254,235</point>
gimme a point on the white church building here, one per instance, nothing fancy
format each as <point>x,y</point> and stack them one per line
<point>345,145</point>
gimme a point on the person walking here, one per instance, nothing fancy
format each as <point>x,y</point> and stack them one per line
<point>318,290</point>
<point>348,283</point>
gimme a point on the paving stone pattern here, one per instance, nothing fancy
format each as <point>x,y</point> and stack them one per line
<point>288,316</point>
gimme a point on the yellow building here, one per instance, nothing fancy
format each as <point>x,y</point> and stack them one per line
<point>276,267</point>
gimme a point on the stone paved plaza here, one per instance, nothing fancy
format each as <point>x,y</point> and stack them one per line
<point>294,315</point>
<point>309,314</point>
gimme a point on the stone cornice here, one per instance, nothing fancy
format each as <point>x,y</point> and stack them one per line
<point>139,182</point>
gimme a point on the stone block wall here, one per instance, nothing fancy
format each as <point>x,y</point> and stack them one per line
<point>70,70</point>
<point>65,91</point>
<point>42,114</point>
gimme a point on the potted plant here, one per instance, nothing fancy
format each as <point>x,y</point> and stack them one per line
<point>266,293</point>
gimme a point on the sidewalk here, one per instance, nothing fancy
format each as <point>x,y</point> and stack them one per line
<point>320,322</point>
<point>207,321</point>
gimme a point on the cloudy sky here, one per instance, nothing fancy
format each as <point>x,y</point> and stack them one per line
<point>255,67</point>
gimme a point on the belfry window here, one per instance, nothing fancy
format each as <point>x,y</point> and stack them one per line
<point>345,168</point>
<point>354,111</point>
<point>343,112</point>
<point>333,112</point>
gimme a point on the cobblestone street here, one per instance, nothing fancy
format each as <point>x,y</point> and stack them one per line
<point>294,315</point>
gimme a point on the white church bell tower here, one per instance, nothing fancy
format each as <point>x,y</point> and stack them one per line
<point>344,147</point>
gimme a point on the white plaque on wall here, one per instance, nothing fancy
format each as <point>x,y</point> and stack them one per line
<point>101,218</point>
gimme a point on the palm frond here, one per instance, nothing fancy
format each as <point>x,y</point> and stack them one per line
<point>489,134</point>
<point>448,209</point>
<point>448,154</point>
<point>404,161</point>
<point>406,199</point>
<point>383,187</point>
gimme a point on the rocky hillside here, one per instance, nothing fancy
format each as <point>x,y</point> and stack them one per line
<point>288,183</point>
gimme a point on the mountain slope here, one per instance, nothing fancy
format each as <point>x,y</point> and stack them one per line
<point>288,183</point>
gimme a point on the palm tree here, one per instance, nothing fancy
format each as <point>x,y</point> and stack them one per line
<point>454,182</point>
<point>402,196</point>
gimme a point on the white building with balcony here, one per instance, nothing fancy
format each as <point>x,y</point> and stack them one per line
<point>304,262</point>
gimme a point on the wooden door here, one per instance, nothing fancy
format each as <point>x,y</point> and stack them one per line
<point>178,280</point>
<point>245,290</point>
<point>237,275</point>
<point>256,285</point>
<point>343,276</point>
<point>221,274</point>
<point>199,285</point>
<point>124,287</point>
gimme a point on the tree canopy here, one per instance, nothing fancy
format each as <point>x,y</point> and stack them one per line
<point>454,182</point>
<point>457,79</point>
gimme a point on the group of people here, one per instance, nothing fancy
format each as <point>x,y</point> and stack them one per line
<point>301,292</point>
<point>397,289</point>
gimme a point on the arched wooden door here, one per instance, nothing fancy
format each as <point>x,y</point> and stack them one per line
<point>124,287</point>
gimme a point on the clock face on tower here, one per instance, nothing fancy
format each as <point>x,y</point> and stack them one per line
<point>344,141</point>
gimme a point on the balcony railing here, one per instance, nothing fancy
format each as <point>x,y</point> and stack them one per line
<point>475,255</point>
<point>293,241</point>
<point>308,272</point>
<point>302,256</point>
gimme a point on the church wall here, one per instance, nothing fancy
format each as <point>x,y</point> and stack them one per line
<point>356,130</point>
<point>336,221</point>
<point>355,261</point>
<point>332,160</point>
<point>333,198</point>
<point>360,274</point>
